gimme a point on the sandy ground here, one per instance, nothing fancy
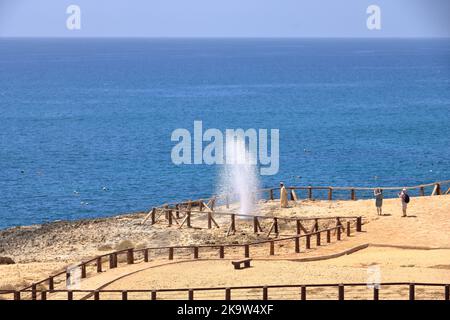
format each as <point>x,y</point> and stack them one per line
<point>40,249</point>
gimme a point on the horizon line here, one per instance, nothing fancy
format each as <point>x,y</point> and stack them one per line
<point>225,37</point>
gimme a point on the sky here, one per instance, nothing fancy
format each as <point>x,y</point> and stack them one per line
<point>224,18</point>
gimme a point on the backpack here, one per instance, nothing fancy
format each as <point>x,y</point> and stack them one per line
<point>406,197</point>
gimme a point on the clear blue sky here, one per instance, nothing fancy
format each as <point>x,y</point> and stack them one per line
<point>225,18</point>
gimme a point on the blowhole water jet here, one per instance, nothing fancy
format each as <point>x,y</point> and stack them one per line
<point>239,176</point>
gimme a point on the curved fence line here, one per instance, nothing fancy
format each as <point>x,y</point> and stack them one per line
<point>226,292</point>
<point>176,208</point>
<point>133,255</point>
<point>437,185</point>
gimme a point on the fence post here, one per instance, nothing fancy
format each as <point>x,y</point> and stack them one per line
<point>96,295</point>
<point>298,227</point>
<point>195,252</point>
<point>233,222</point>
<point>348,229</point>
<point>227,294</point>
<point>438,188</point>
<point>447,292</point>
<point>16,295</point>
<point>271,194</point>
<point>83,271</point>
<point>124,295</point>
<point>352,194</point>
<point>191,294</point>
<point>153,215</point>
<point>33,291</point>
<point>146,255</point>
<point>330,193</point>
<point>341,292</point>
<point>171,253</point>
<point>130,256</point>
<point>255,224</point>
<point>328,235</point>
<point>272,248</point>
<point>411,291</point>
<point>338,233</point>
<point>265,293</point>
<point>188,214</point>
<point>309,192</point>
<point>422,191</point>
<point>221,252</point>
<point>375,293</point>
<point>153,295</point>
<point>316,224</point>
<point>99,264</point>
<point>169,216</point>
<point>303,293</point>
<point>44,295</point>
<point>275,225</point>
<point>69,295</point>
<point>297,244</point>
<point>111,261</point>
<point>359,224</point>
<point>51,283</point>
<point>318,238</point>
<point>177,211</point>
<point>308,241</point>
<point>209,220</point>
<point>247,250</point>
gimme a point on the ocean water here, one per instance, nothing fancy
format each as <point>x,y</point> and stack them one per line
<point>85,124</point>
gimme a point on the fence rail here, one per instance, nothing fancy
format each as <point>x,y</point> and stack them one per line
<point>183,210</point>
<point>438,188</point>
<point>186,209</point>
<point>302,240</point>
<point>226,293</point>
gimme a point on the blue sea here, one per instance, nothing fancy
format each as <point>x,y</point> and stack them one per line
<point>85,124</point>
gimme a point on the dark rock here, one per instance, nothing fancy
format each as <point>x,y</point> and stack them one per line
<point>6,260</point>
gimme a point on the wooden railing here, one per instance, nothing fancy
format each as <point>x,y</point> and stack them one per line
<point>437,189</point>
<point>324,193</point>
<point>183,216</point>
<point>241,292</point>
<point>185,209</point>
<point>215,251</point>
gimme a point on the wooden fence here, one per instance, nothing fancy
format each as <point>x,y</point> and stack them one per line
<point>294,291</point>
<point>319,192</point>
<point>181,213</point>
<point>182,216</point>
<point>303,240</point>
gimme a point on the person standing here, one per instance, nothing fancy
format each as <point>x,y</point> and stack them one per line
<point>283,196</point>
<point>378,193</point>
<point>403,195</point>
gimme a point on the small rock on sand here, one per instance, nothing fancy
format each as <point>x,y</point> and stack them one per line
<point>6,260</point>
